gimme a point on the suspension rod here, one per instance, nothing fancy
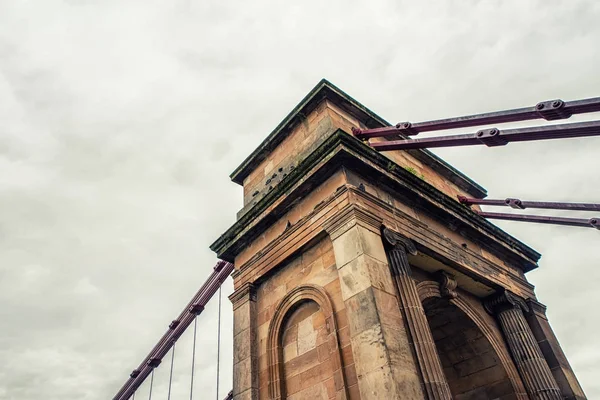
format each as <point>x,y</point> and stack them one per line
<point>495,137</point>
<point>548,110</point>
<point>521,205</point>
<point>542,219</point>
<point>195,307</point>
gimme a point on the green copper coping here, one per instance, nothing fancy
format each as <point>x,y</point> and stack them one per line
<point>326,90</point>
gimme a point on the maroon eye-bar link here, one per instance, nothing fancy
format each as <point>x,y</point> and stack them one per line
<point>521,205</point>
<point>549,110</point>
<point>542,219</point>
<point>495,137</point>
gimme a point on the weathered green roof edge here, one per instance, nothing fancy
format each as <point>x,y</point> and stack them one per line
<point>326,90</point>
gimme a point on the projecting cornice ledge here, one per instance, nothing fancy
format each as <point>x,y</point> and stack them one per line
<point>350,216</point>
<point>343,150</point>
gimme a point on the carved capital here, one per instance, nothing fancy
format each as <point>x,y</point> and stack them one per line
<point>246,292</point>
<point>396,241</point>
<point>503,301</point>
<point>447,284</point>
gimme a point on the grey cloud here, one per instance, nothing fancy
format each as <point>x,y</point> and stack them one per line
<point>121,121</point>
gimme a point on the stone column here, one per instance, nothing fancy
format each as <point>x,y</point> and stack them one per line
<point>245,360</point>
<point>430,365</point>
<point>556,359</point>
<point>384,364</point>
<point>526,353</point>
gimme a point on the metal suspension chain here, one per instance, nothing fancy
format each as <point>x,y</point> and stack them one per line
<point>171,373</point>
<point>219,341</point>
<point>193,359</point>
<point>176,328</point>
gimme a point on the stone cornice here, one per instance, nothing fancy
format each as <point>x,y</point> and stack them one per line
<point>350,216</point>
<point>342,149</point>
<point>412,224</point>
<point>287,233</point>
<point>247,292</point>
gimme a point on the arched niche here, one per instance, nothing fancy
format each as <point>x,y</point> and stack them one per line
<point>296,298</point>
<point>461,311</point>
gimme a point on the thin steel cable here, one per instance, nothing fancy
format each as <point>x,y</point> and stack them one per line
<point>193,359</point>
<point>218,341</point>
<point>151,383</point>
<point>171,373</point>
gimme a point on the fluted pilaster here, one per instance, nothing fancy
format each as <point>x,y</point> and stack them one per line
<point>434,380</point>
<point>526,353</point>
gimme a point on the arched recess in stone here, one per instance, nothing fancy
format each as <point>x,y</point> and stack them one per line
<point>294,299</point>
<point>431,289</point>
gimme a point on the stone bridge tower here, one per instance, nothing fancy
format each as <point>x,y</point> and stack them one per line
<point>358,275</point>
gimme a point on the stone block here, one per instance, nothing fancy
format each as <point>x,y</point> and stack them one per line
<point>293,385</point>
<point>242,375</point>
<point>372,245</point>
<point>354,276</point>
<point>362,312</point>
<point>388,308</point>
<point>381,277</point>
<point>263,332</point>
<point>307,336</point>
<point>354,392</point>
<point>330,387</point>
<point>265,315</point>
<point>318,320</point>
<point>314,375</point>
<point>241,318</point>
<point>323,352</point>
<point>263,392</point>
<point>334,291</point>
<point>323,277</point>
<point>249,394</point>
<point>347,357</point>
<point>344,336</point>
<point>369,351</point>
<point>350,374</point>
<point>317,392</point>
<point>341,319</point>
<point>311,255</point>
<point>290,351</point>
<point>408,384</point>
<point>270,297</point>
<point>399,349</point>
<point>263,362</point>
<point>378,384</point>
<point>242,343</point>
<point>472,365</point>
<point>356,241</point>
<point>347,247</point>
<point>290,335</point>
<point>301,363</point>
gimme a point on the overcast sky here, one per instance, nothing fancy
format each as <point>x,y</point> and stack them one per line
<point>120,122</point>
